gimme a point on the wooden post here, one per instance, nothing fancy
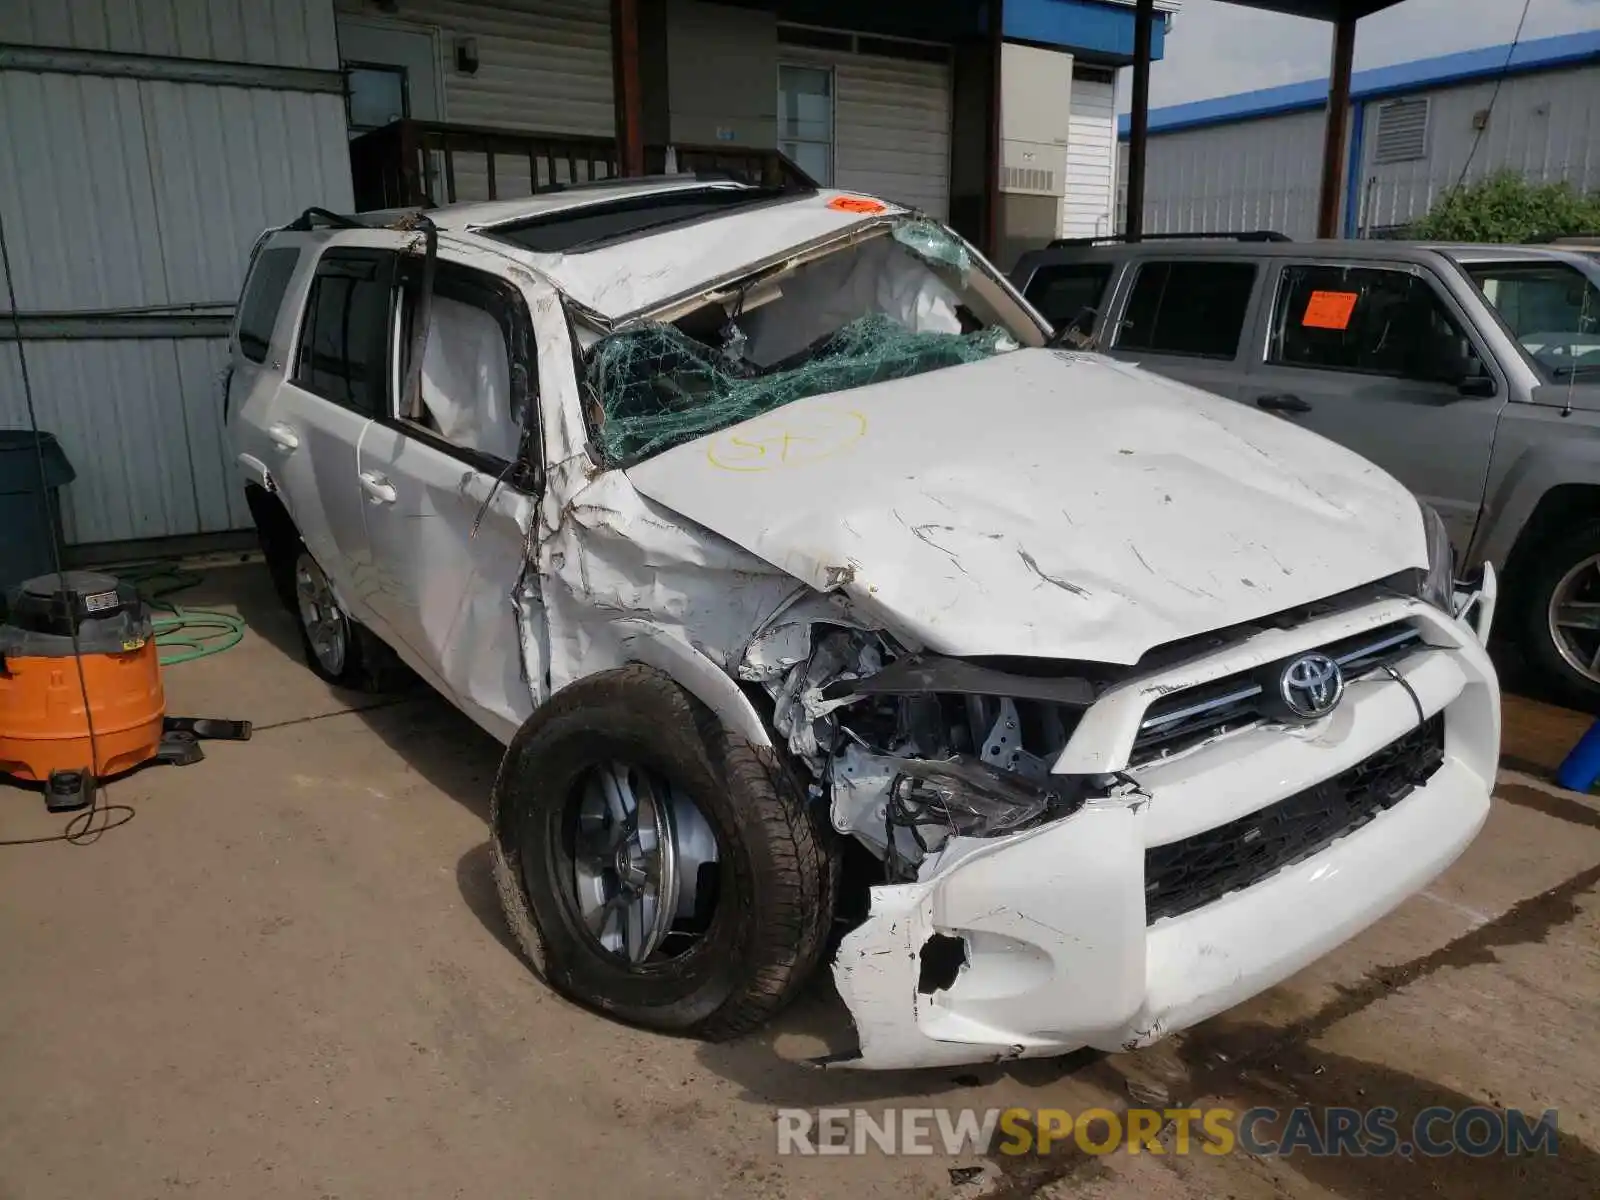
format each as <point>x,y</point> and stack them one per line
<point>1333,150</point>
<point>1139,119</point>
<point>629,102</point>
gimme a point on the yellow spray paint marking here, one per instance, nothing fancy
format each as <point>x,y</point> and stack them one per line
<point>786,440</point>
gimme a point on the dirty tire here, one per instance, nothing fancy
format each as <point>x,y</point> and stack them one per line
<point>777,870</point>
<point>1535,589</point>
<point>369,664</point>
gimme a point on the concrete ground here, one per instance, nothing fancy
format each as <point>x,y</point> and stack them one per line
<point>287,976</point>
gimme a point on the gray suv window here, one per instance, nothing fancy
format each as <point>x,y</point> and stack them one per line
<point>1067,293</point>
<point>1365,319</point>
<point>1188,308</point>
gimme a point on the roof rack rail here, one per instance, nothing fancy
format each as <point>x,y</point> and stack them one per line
<point>1552,239</point>
<point>1248,235</point>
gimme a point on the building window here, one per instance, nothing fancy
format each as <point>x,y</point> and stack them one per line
<point>1402,132</point>
<point>1188,308</point>
<point>805,119</point>
<point>374,95</point>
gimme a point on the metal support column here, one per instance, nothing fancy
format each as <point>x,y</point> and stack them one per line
<point>992,158</point>
<point>629,96</point>
<point>1139,118</point>
<point>1333,146</point>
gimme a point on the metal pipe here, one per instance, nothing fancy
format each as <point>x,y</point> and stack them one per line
<point>1139,118</point>
<point>1333,162</point>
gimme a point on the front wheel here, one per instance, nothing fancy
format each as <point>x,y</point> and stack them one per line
<point>1560,617</point>
<point>655,866</point>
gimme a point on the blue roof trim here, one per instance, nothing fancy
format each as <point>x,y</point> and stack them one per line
<point>1540,54</point>
<point>1104,31</point>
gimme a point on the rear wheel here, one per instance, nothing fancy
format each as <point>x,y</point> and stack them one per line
<point>1560,617</point>
<point>655,866</point>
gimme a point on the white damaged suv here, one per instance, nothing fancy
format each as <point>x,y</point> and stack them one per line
<point>768,532</point>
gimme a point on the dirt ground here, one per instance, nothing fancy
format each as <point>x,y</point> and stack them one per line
<point>287,976</point>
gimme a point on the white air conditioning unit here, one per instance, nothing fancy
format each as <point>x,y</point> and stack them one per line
<point>1035,107</point>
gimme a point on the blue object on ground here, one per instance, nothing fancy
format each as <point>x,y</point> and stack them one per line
<point>1582,766</point>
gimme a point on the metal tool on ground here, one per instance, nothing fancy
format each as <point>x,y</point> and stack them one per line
<point>67,725</point>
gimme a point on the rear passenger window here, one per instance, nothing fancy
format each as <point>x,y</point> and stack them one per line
<point>1367,319</point>
<point>344,339</point>
<point>1191,308</point>
<point>1065,293</point>
<point>263,294</point>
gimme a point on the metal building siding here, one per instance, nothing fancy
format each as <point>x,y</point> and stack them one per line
<point>891,126</point>
<point>139,192</point>
<point>542,64</point>
<point>1545,126</point>
<point>133,193</point>
<point>141,421</point>
<point>1087,206</point>
<point>1253,175</point>
<point>282,33</point>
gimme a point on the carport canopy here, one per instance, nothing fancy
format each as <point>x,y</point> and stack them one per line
<point>1342,14</point>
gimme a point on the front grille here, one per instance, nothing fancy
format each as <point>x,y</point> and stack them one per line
<point>1186,718</point>
<point>1183,876</point>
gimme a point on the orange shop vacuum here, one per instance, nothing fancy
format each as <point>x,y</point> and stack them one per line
<point>67,731</point>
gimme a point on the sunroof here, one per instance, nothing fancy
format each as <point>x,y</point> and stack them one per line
<point>574,230</point>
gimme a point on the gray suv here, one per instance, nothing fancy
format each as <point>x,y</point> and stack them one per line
<point>1470,373</point>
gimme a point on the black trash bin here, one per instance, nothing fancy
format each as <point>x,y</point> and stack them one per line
<point>30,508</point>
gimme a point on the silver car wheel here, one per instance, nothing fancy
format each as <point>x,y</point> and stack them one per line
<point>637,848</point>
<point>1574,618</point>
<point>326,627</point>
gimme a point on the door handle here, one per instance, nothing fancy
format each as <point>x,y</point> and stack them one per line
<point>376,486</point>
<point>283,436</point>
<point>1284,404</point>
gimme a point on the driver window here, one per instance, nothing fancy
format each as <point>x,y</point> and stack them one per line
<point>466,368</point>
<point>1369,320</point>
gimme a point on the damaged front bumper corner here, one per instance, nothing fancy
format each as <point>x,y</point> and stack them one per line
<point>1038,944</point>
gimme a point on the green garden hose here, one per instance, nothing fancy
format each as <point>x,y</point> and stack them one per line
<point>182,634</point>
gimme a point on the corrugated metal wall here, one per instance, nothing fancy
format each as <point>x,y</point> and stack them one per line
<point>1265,173</point>
<point>281,33</point>
<point>1259,174</point>
<point>1086,208</point>
<point>1547,126</point>
<point>125,194</point>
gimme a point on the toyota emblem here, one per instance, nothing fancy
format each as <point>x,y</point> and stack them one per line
<point>1311,686</point>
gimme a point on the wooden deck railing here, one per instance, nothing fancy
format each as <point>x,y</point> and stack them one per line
<point>410,163</point>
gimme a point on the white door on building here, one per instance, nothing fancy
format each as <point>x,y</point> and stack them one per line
<point>888,119</point>
<point>391,71</point>
<point>1087,203</point>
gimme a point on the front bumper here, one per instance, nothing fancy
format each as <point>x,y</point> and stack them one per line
<point>1052,921</point>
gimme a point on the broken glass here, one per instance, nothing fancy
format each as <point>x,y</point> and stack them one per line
<point>657,387</point>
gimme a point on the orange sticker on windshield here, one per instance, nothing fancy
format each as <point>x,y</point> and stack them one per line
<point>856,204</point>
<point>1329,310</point>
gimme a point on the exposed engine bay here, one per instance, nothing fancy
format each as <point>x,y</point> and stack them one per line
<point>912,750</point>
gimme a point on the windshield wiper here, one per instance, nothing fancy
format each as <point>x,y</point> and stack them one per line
<point>1575,369</point>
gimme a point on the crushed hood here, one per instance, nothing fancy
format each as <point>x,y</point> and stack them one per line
<point>1045,503</point>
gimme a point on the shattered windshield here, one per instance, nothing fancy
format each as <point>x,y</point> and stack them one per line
<point>902,301</point>
<point>1552,308</point>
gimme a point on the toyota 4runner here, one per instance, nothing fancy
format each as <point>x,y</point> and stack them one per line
<point>762,525</point>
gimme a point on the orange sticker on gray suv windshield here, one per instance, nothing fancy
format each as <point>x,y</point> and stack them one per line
<point>1329,310</point>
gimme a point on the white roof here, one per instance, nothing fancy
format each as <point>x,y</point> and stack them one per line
<point>643,271</point>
